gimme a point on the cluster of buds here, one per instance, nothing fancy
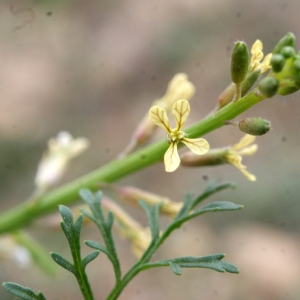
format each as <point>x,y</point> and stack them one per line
<point>285,76</point>
<point>244,71</point>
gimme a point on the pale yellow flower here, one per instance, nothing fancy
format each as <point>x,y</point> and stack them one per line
<point>235,153</point>
<point>54,161</point>
<point>256,57</point>
<point>178,88</point>
<point>180,111</point>
<point>132,195</point>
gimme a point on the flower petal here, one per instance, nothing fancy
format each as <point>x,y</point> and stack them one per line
<point>159,117</point>
<point>172,160</point>
<point>245,141</point>
<point>180,111</point>
<point>198,146</point>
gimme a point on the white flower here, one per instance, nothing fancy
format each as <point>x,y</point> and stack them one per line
<point>54,161</point>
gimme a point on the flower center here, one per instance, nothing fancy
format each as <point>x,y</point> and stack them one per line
<point>175,136</point>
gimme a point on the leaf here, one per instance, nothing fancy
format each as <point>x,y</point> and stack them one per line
<point>171,158</point>
<point>60,260</point>
<point>160,118</point>
<point>152,212</point>
<point>22,292</point>
<point>66,215</point>
<point>110,220</point>
<point>96,245</point>
<point>211,188</point>
<point>78,224</point>
<point>87,196</point>
<point>88,214</point>
<point>176,269</point>
<point>180,110</point>
<point>220,206</point>
<point>91,256</point>
<point>210,262</point>
<point>105,227</point>
<point>187,204</point>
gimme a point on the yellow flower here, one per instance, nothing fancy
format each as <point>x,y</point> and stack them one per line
<point>235,153</point>
<point>180,111</point>
<point>257,56</point>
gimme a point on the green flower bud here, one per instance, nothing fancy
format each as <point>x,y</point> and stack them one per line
<point>287,40</point>
<point>287,51</point>
<point>268,86</point>
<point>287,90</point>
<point>239,62</point>
<point>255,126</point>
<point>249,81</point>
<point>277,62</point>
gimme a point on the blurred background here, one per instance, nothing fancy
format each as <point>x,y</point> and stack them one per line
<point>93,68</point>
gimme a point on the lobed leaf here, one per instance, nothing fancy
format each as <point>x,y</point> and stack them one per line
<point>63,262</point>
<point>210,262</point>
<point>152,212</point>
<point>91,256</point>
<point>22,292</point>
<point>97,246</point>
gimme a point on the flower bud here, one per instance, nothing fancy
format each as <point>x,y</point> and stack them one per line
<point>287,90</point>
<point>287,40</point>
<point>277,62</point>
<point>287,51</point>
<point>239,62</point>
<point>249,81</point>
<point>268,86</point>
<point>255,126</point>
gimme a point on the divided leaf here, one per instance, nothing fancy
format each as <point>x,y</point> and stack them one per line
<point>152,212</point>
<point>22,292</point>
<point>210,262</point>
<point>60,260</point>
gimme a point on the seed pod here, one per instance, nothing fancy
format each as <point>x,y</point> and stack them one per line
<point>268,86</point>
<point>239,62</point>
<point>255,126</point>
<point>287,40</point>
<point>277,62</point>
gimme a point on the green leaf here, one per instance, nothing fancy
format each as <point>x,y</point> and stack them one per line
<point>88,214</point>
<point>211,262</point>
<point>105,227</point>
<point>152,212</point>
<point>220,206</point>
<point>176,269</point>
<point>187,206</point>
<point>87,196</point>
<point>60,260</point>
<point>212,207</point>
<point>96,245</point>
<point>66,215</point>
<point>91,256</point>
<point>78,224</point>
<point>22,292</point>
<point>210,189</point>
<point>110,220</point>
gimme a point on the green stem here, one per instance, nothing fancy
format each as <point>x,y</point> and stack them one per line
<point>24,213</point>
